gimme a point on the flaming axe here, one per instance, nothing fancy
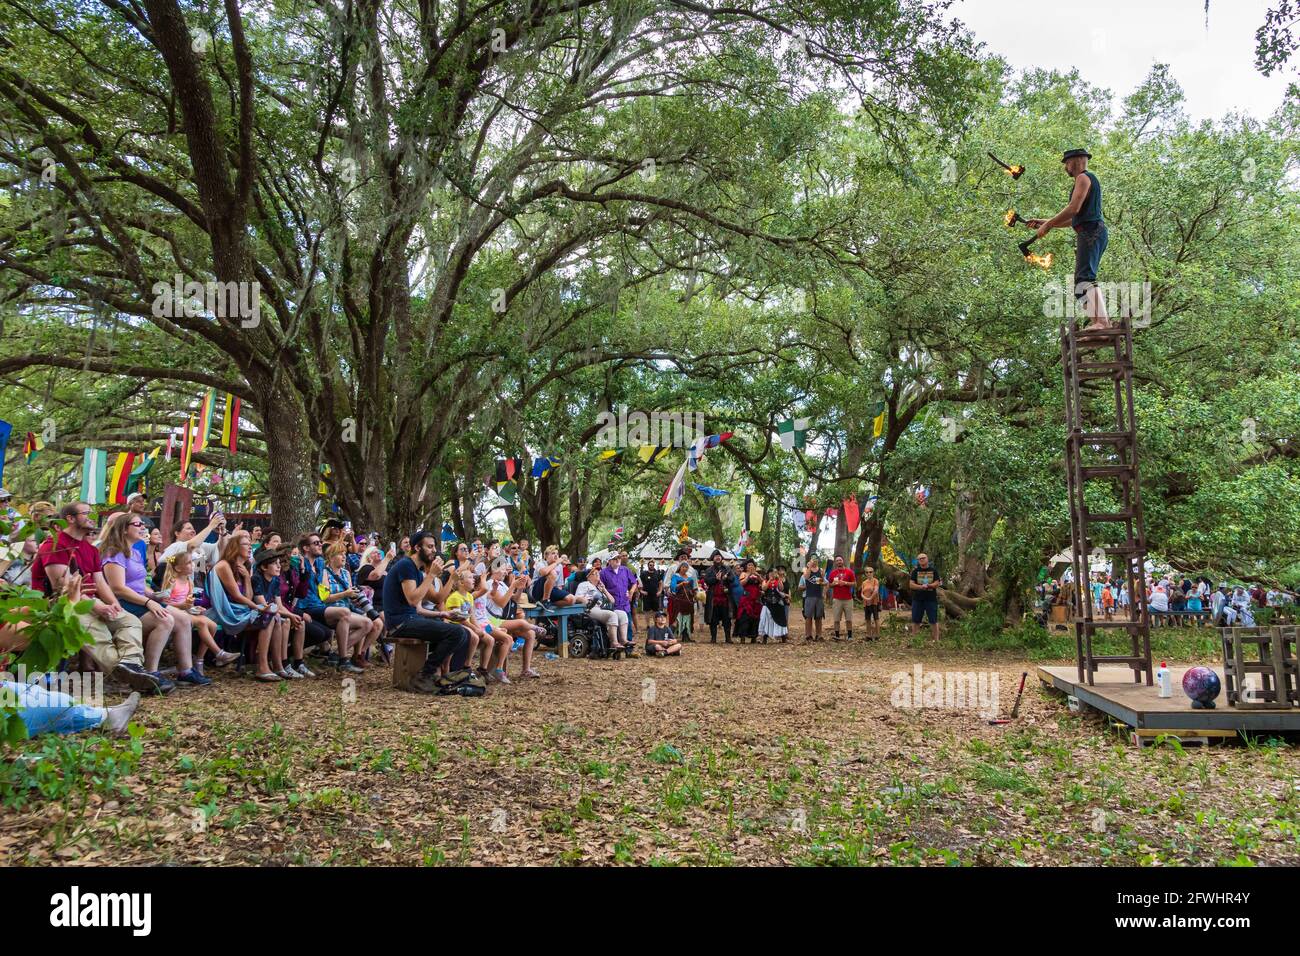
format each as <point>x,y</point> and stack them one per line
<point>1015,172</point>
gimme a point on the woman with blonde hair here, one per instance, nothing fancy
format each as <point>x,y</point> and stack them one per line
<point>124,571</point>
<point>355,631</point>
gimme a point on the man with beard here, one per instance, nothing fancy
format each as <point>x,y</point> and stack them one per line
<point>719,605</point>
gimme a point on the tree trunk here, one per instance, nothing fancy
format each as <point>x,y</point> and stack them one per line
<point>290,459</point>
<point>971,578</point>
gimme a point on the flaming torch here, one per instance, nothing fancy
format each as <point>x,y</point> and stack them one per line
<point>1015,172</point>
<point>1013,219</point>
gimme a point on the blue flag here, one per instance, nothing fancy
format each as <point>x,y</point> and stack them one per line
<point>5,429</point>
<point>710,492</point>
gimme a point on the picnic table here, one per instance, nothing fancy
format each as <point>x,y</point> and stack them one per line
<point>562,614</point>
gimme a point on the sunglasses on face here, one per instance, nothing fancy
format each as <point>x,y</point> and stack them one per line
<point>136,524</point>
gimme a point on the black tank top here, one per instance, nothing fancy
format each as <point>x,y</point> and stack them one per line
<point>1090,211</point>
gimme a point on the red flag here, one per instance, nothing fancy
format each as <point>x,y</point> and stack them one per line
<point>852,517</point>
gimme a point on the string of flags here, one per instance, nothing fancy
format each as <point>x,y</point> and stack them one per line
<point>31,446</point>
<point>878,413</point>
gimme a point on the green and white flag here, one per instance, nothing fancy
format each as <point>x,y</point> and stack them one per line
<point>94,465</point>
<point>793,433</point>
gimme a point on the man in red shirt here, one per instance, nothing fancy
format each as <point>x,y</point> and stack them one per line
<point>842,581</point>
<point>118,639</point>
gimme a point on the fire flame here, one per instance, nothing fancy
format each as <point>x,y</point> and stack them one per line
<point>1010,219</point>
<point>1015,172</point>
<point>1044,262</point>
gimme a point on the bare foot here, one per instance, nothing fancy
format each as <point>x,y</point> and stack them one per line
<point>1099,324</point>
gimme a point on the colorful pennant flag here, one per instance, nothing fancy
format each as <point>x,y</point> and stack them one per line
<point>447,533</point>
<point>136,480</point>
<point>652,453</point>
<point>710,492</point>
<point>741,543</point>
<point>543,466</point>
<point>753,513</point>
<point>890,557</point>
<point>922,495</point>
<point>205,419</point>
<point>611,456</point>
<point>810,521</point>
<point>793,433</point>
<point>168,456</point>
<point>94,461</point>
<point>852,516</point>
<point>870,506</point>
<point>252,506</point>
<point>120,475</point>
<point>676,489</point>
<point>230,423</point>
<point>713,441</point>
<point>187,448</point>
<point>322,488</point>
<point>31,446</point>
<point>878,420</point>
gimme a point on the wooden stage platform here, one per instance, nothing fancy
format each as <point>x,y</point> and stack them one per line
<point>1138,705</point>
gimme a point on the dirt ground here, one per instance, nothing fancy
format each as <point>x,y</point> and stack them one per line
<point>753,754</point>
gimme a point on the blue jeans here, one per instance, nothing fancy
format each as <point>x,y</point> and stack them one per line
<point>1089,243</point>
<point>51,712</point>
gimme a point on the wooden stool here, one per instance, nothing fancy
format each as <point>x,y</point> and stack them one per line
<point>409,656</point>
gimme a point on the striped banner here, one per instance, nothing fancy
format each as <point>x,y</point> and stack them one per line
<point>205,419</point>
<point>121,474</point>
<point>94,462</point>
<point>230,423</point>
<point>187,448</point>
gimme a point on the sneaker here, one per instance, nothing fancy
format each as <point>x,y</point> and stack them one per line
<point>289,673</point>
<point>192,676</point>
<point>499,676</point>
<point>225,657</point>
<point>164,685</point>
<point>348,667</point>
<point>517,645</point>
<point>137,678</point>
<point>302,670</point>
<point>531,674</point>
<point>332,659</point>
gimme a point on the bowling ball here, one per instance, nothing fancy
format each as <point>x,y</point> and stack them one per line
<point>1201,684</point>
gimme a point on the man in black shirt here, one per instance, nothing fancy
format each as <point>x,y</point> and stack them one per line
<point>925,595</point>
<point>409,583</point>
<point>651,580</point>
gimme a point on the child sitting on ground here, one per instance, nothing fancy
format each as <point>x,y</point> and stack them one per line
<point>660,640</point>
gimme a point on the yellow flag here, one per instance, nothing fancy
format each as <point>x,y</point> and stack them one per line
<point>878,425</point>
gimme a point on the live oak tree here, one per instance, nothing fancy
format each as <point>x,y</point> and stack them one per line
<point>410,186</point>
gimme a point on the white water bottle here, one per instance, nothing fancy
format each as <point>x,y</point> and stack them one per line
<point>1164,681</point>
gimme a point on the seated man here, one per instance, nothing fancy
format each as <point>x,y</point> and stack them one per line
<point>546,580</point>
<point>410,582</point>
<point>660,640</point>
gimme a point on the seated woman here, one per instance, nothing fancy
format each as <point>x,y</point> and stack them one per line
<point>124,572</point>
<point>235,607</point>
<point>177,592</point>
<point>498,596</point>
<point>600,607</point>
<point>354,630</point>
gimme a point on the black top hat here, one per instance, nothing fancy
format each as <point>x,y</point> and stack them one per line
<point>1071,153</point>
